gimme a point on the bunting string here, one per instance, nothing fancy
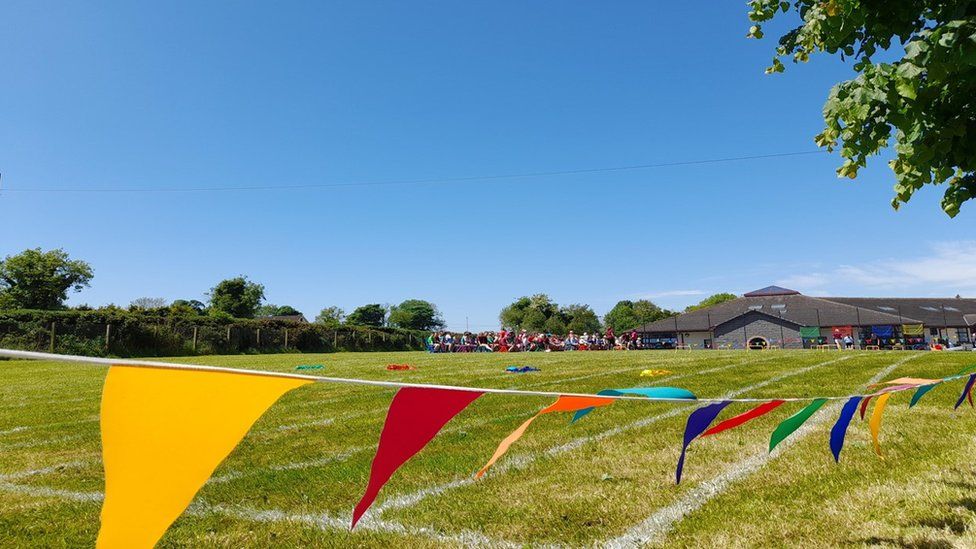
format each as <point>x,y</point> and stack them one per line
<point>632,395</point>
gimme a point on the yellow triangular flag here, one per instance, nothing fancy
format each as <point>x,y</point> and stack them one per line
<point>875,422</point>
<point>164,431</point>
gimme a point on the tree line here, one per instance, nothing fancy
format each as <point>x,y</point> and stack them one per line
<point>41,280</point>
<point>538,313</point>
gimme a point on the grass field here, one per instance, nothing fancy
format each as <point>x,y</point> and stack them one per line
<point>607,480</point>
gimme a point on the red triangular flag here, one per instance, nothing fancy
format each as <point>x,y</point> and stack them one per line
<point>864,405</point>
<point>415,417</point>
<point>752,414</point>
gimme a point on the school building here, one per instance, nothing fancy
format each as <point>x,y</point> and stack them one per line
<point>784,318</point>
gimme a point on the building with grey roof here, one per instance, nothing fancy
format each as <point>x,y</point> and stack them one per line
<point>775,316</point>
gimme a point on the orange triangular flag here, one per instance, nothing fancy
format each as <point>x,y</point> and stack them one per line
<point>563,404</point>
<point>164,431</point>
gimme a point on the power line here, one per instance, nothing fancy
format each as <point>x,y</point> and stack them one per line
<point>407,181</point>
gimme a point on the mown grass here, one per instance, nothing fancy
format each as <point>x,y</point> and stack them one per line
<point>296,476</point>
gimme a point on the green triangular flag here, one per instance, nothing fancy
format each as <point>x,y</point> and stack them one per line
<point>793,422</point>
<point>921,392</point>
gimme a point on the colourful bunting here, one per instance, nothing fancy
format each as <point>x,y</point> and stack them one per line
<point>966,390</point>
<point>164,431</point>
<point>698,421</point>
<point>921,392</point>
<point>563,404</point>
<point>839,431</point>
<point>867,398</point>
<point>875,422</point>
<point>758,411</point>
<point>649,392</point>
<point>793,422</point>
<point>415,417</point>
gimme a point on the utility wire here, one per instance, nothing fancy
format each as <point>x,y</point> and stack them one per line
<point>404,181</point>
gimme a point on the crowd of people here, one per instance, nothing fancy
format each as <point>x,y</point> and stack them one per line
<point>505,341</point>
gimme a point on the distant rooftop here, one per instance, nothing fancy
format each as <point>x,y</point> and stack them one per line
<point>770,291</point>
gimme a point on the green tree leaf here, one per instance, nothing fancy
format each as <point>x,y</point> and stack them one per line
<point>34,279</point>
<point>923,100</point>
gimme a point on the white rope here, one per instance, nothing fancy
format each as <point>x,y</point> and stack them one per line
<point>33,355</point>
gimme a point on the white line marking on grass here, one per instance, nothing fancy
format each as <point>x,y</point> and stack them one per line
<point>297,465</point>
<point>317,423</point>
<point>577,378</point>
<point>322,521</point>
<point>36,443</point>
<point>39,426</point>
<point>31,403</point>
<point>45,492</point>
<point>519,462</point>
<point>296,426</point>
<point>42,470</point>
<point>662,521</point>
<point>340,457</point>
<point>92,419</point>
<point>669,378</point>
<point>661,379</point>
<point>325,521</point>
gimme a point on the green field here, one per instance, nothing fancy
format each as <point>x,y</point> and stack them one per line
<point>607,480</point>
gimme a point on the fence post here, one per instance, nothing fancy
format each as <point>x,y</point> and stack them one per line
<point>369,337</point>
<point>286,338</point>
<point>108,334</point>
<point>259,337</point>
<point>335,339</point>
<point>194,339</point>
<point>53,332</point>
<point>228,333</point>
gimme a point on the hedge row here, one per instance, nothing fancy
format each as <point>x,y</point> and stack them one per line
<point>136,334</point>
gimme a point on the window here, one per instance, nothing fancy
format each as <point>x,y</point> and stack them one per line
<point>962,334</point>
<point>755,307</point>
<point>933,331</point>
<point>953,309</point>
<point>778,306</point>
<point>927,308</point>
<point>886,308</point>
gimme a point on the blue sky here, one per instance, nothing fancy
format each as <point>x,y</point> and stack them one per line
<point>177,95</point>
